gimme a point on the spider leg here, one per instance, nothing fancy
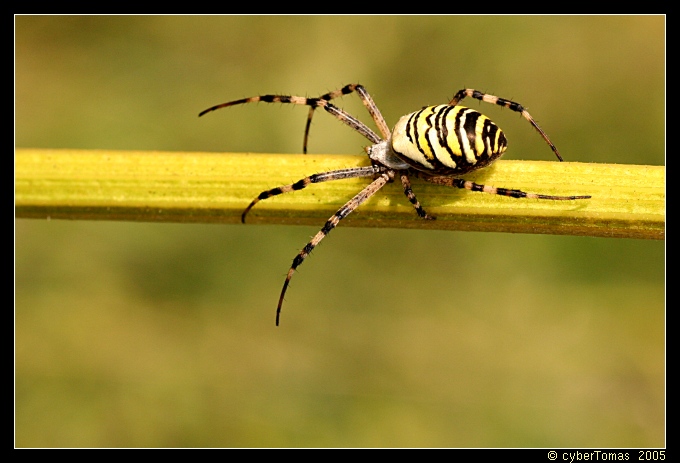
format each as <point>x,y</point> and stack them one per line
<point>373,110</point>
<point>339,174</point>
<point>467,185</point>
<point>366,99</point>
<point>406,183</point>
<point>332,222</point>
<point>368,102</point>
<point>481,96</point>
<point>313,103</point>
<point>347,89</point>
<point>308,126</point>
<point>352,121</point>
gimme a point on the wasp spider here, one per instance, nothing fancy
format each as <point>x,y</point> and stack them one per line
<point>437,143</point>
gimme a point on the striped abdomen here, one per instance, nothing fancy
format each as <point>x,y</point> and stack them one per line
<point>447,140</point>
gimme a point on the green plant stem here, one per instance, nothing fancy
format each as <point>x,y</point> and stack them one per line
<point>628,201</point>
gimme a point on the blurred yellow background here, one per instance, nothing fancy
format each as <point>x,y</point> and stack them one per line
<point>147,334</point>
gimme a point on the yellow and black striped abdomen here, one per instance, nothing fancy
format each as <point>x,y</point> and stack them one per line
<point>447,140</point>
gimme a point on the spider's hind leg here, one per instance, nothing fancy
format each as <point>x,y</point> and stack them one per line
<point>472,186</point>
<point>481,96</point>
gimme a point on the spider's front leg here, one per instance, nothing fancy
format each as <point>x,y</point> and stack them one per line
<point>324,102</point>
<point>339,174</point>
<point>366,99</point>
<point>331,223</point>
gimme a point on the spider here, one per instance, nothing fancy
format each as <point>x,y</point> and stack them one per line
<point>437,143</point>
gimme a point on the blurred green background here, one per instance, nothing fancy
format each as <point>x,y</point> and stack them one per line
<point>146,334</point>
